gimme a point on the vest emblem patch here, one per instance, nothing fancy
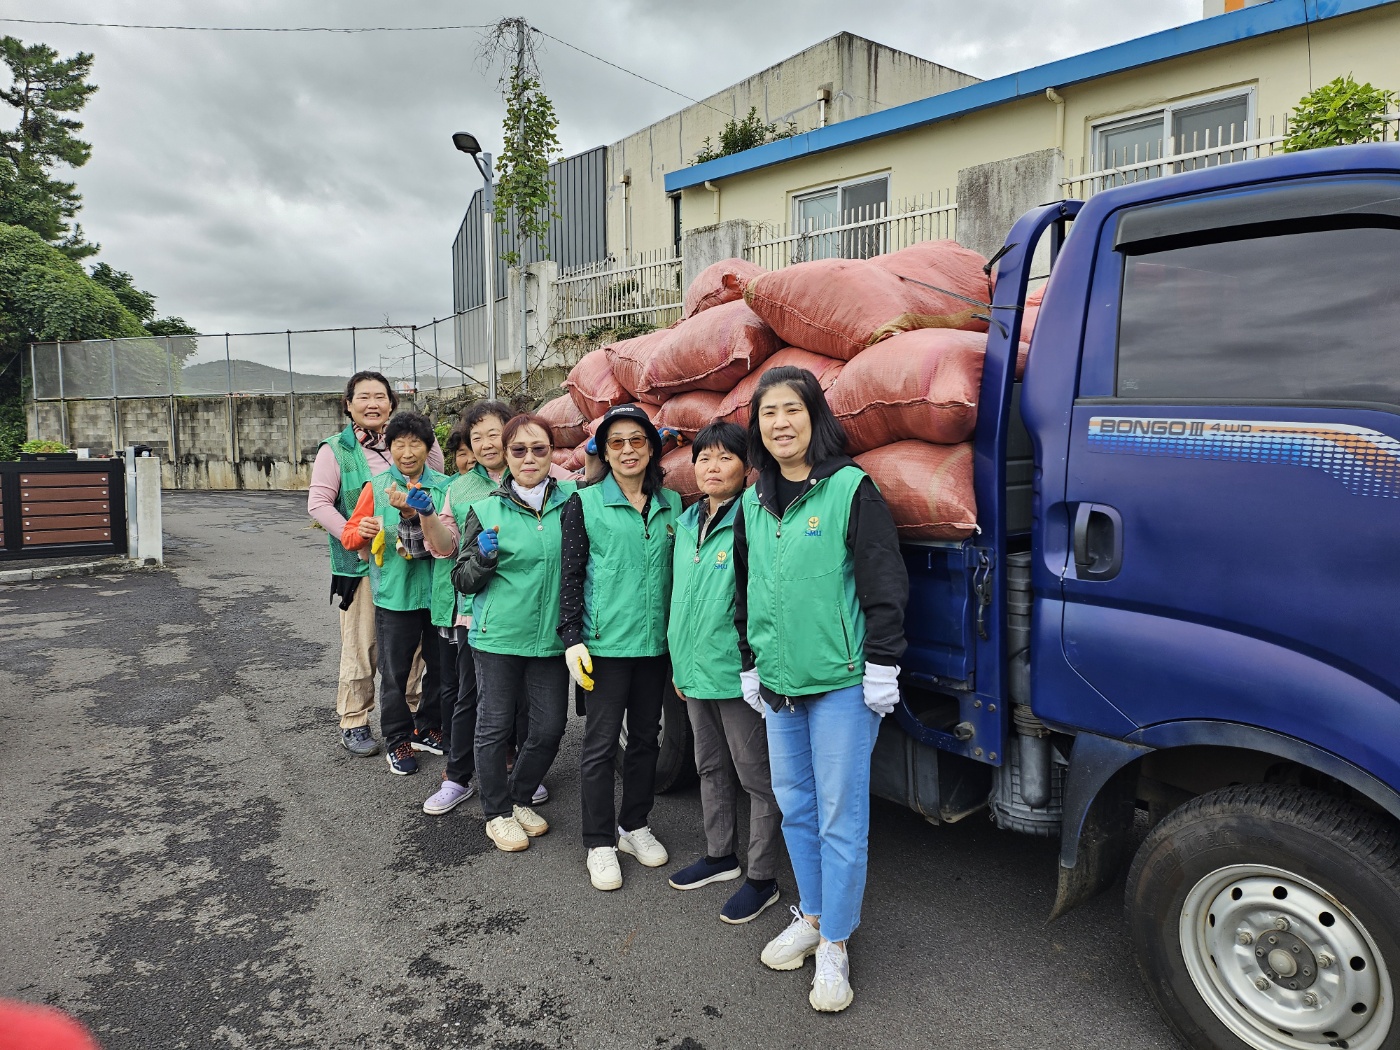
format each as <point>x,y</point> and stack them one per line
<point>814,526</point>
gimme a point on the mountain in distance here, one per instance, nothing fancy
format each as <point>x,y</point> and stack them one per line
<point>252,377</point>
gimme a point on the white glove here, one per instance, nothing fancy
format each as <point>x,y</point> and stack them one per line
<point>752,697</point>
<point>580,663</point>
<point>881,685</point>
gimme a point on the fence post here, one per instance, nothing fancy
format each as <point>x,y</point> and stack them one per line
<point>116,408</point>
<point>354,354</point>
<point>174,416</point>
<point>437,371</point>
<point>413,342</point>
<point>291,408</point>
<point>232,421</point>
<point>62,398</point>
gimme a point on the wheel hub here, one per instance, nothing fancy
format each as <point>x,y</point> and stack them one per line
<point>1252,937</point>
<point>1286,960</point>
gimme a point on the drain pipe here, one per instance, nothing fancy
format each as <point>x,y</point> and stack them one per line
<point>1059,100</point>
<point>715,190</point>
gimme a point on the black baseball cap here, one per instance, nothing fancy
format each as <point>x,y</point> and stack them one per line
<point>636,415</point>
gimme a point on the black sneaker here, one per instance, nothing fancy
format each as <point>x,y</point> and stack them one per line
<point>359,741</point>
<point>752,900</point>
<point>429,741</point>
<point>401,760</point>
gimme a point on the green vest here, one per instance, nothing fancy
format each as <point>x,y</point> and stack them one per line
<point>517,612</point>
<point>805,624</point>
<point>403,585</point>
<point>354,473</point>
<point>627,589</point>
<point>704,643</point>
<point>462,491</point>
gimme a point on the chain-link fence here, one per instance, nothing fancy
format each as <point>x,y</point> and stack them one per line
<point>415,358</point>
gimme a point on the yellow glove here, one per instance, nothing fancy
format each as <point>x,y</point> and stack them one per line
<point>376,548</point>
<point>580,663</point>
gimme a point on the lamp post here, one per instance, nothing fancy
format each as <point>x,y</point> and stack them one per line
<point>468,144</point>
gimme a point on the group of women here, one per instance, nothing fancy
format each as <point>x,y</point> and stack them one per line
<point>775,611</point>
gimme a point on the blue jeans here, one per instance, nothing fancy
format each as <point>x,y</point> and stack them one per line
<point>819,753</point>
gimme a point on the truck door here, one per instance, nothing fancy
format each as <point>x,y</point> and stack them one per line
<point>1233,487</point>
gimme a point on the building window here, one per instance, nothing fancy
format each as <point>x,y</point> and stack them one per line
<point>1199,130</point>
<point>841,221</point>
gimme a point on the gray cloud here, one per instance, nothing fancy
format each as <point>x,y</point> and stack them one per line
<point>266,181</point>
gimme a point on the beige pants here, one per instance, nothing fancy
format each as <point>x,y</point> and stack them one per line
<point>359,656</point>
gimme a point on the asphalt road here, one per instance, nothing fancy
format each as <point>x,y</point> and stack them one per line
<point>190,860</point>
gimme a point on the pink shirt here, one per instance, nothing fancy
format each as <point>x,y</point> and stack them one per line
<point>325,483</point>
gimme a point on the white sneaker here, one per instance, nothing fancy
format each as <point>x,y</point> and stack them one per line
<point>642,844</point>
<point>790,949</point>
<point>507,834</point>
<point>831,987</point>
<point>530,822</point>
<point>603,869</point>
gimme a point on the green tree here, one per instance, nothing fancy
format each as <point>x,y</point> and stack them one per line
<point>739,135</point>
<point>45,90</point>
<point>142,305</point>
<point>1340,113</point>
<point>45,295</point>
<point>523,185</point>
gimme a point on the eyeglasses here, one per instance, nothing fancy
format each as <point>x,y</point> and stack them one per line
<point>368,399</point>
<point>617,444</point>
<point>518,451</point>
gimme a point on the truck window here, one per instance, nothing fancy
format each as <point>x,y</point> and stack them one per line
<point>1312,315</point>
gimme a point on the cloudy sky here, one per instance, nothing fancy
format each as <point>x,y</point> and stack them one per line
<point>259,181</point>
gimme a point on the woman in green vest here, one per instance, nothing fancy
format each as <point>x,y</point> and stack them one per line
<point>510,563</point>
<point>731,746</point>
<point>475,448</point>
<point>618,539</point>
<point>820,590</point>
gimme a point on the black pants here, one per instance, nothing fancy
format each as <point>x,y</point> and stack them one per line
<point>458,703</point>
<point>398,636</point>
<point>505,684</point>
<point>630,687</point>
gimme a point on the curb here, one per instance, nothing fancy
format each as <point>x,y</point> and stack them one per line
<point>83,568</point>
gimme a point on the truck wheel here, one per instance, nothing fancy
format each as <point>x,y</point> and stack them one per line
<point>675,765</point>
<point>1269,917</point>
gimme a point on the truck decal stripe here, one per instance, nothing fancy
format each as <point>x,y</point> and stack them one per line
<point>1366,462</point>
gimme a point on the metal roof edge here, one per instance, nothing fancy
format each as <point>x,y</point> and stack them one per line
<point>1234,27</point>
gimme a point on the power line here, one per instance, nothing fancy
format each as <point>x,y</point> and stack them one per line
<point>653,83</point>
<point>244,29</point>
<point>355,29</point>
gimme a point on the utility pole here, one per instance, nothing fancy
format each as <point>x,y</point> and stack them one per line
<point>524,337</point>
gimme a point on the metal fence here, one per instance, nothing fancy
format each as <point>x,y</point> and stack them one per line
<point>635,292</point>
<point>856,234</point>
<point>413,357</point>
<point>1172,155</point>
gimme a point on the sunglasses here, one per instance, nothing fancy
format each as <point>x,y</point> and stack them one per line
<point>617,444</point>
<point>538,451</point>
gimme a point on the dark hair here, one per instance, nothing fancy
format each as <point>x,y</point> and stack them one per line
<point>360,377</point>
<point>456,438</point>
<point>652,478</point>
<point>412,424</point>
<point>481,410</point>
<point>525,419</point>
<point>828,439</point>
<point>731,437</point>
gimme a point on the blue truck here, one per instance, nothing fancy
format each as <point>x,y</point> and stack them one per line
<point>1182,611</point>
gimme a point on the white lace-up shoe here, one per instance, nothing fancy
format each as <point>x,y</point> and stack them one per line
<point>831,987</point>
<point>603,869</point>
<point>530,822</point>
<point>790,949</point>
<point>507,834</point>
<point>642,844</point>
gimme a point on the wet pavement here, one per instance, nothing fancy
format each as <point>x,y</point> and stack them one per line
<point>190,860</point>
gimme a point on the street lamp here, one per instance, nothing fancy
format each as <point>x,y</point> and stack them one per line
<point>468,144</point>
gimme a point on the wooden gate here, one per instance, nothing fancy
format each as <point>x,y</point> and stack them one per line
<point>58,508</point>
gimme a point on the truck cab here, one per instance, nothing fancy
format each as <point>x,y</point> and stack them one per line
<point>1183,600</point>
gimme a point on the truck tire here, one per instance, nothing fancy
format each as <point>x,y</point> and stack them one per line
<point>675,765</point>
<point>1268,917</point>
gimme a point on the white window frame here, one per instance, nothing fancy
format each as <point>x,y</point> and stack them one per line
<point>1166,112</point>
<point>835,187</point>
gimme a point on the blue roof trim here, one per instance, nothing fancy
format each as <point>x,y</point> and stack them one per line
<point>1208,33</point>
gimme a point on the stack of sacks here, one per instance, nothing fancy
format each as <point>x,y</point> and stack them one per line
<point>900,362</point>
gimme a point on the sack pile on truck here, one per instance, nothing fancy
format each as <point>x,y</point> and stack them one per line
<point>897,343</point>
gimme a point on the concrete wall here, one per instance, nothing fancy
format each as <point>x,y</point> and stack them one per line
<point>270,445</point>
<point>711,244</point>
<point>863,77</point>
<point>1279,68</point>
